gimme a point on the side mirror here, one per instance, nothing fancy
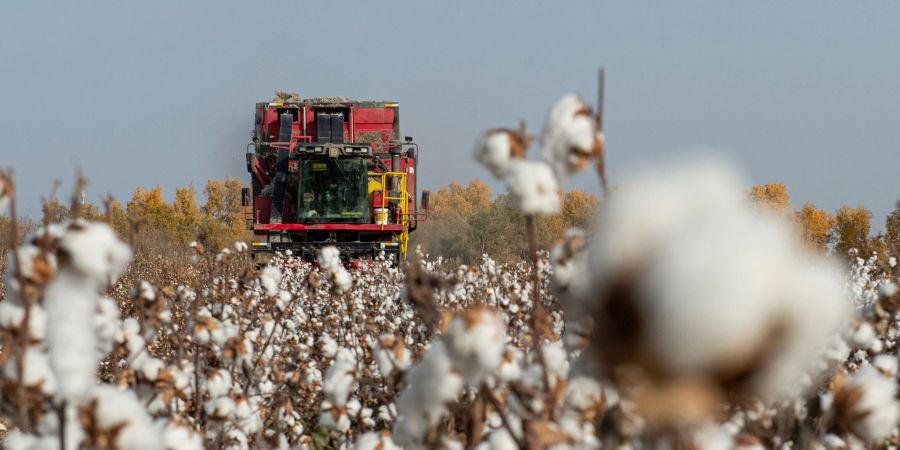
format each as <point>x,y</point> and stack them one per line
<point>425,198</point>
<point>245,196</point>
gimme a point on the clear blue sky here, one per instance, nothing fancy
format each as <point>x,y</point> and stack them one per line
<point>161,92</point>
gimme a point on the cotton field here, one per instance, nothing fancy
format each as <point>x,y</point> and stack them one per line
<point>686,318</point>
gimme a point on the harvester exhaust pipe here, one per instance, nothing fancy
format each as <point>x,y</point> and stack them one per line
<point>395,167</point>
<point>281,167</point>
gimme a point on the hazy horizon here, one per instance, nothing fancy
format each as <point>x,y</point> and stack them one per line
<point>162,93</point>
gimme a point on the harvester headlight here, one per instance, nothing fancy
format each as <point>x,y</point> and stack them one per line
<point>318,149</point>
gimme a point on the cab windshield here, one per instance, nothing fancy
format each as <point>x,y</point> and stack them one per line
<point>333,190</point>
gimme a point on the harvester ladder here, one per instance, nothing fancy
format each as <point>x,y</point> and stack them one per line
<point>403,199</point>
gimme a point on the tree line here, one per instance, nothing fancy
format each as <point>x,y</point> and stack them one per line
<point>466,221</point>
<point>151,223</point>
<point>850,227</point>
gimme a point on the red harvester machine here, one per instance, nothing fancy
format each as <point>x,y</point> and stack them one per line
<point>332,172</point>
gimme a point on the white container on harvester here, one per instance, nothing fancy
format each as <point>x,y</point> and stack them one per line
<point>381,216</point>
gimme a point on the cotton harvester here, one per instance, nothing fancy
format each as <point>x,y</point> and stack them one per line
<point>332,171</point>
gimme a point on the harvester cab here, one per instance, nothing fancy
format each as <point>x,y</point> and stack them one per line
<point>332,171</point>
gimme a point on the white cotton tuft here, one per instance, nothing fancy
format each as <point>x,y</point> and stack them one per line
<point>37,370</point>
<point>570,136</point>
<point>886,364</point>
<point>875,413</point>
<point>494,151</point>
<point>70,301</point>
<point>269,278</point>
<point>532,187</point>
<point>374,441</point>
<point>177,437</point>
<point>118,408</point>
<point>713,278</point>
<point>93,250</point>
<point>474,340</point>
<point>343,281</point>
<point>218,383</point>
<point>329,258</point>
<point>12,313</point>
<point>340,378</point>
<point>432,384</point>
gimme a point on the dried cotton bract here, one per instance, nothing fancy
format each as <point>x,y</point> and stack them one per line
<point>691,285</point>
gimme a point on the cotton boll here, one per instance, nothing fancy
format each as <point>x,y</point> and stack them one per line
<point>328,345</point>
<point>37,370</point>
<point>391,355</point>
<point>115,408</point>
<point>93,250</point>
<point>866,403</point>
<point>498,440</point>
<point>862,336</point>
<point>335,419</point>
<point>329,258</point>
<point>218,383</point>
<point>636,220</point>
<point>690,282</point>
<point>177,437</point>
<point>35,265</point>
<point>221,408</point>
<point>151,367</point>
<point>474,341</point>
<point>886,365</point>
<point>887,289</point>
<point>269,278</point>
<point>568,259</point>
<point>498,148</point>
<point>339,378</point>
<point>584,394</point>
<point>532,187</point>
<point>70,301</point>
<point>106,326</point>
<point>431,385</point>
<point>510,368</point>
<point>343,281</point>
<point>375,441</point>
<point>12,313</point>
<point>570,136</point>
